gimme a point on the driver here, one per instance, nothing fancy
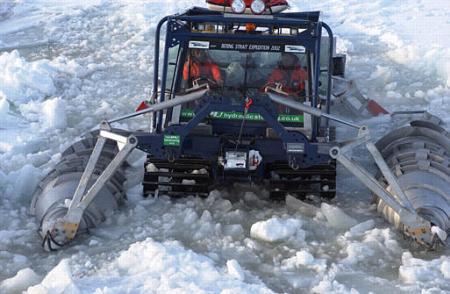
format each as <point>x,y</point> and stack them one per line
<point>199,65</point>
<point>289,74</point>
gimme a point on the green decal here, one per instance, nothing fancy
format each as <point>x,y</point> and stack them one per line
<point>290,118</point>
<point>187,113</point>
<point>171,140</point>
<point>235,115</point>
<point>294,118</point>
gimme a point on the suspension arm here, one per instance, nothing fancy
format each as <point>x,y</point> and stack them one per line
<point>413,225</point>
<point>177,100</point>
<point>308,109</point>
<point>363,137</point>
<point>69,224</point>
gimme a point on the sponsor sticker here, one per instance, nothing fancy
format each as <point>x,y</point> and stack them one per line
<point>292,118</point>
<point>171,140</point>
<point>294,49</point>
<point>199,44</point>
<point>289,118</point>
<point>252,47</point>
<point>235,115</point>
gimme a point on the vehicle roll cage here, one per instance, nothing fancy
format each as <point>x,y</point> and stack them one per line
<point>179,31</point>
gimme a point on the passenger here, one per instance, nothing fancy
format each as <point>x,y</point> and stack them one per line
<point>289,74</point>
<point>199,65</point>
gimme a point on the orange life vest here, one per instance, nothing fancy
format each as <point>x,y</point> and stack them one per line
<point>194,70</point>
<point>292,80</point>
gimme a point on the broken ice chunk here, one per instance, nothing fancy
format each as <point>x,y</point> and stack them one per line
<point>303,207</point>
<point>235,270</point>
<point>360,228</point>
<point>275,229</point>
<point>336,217</point>
<point>21,281</point>
<point>58,280</point>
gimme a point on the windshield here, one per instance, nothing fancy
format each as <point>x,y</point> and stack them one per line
<point>238,74</point>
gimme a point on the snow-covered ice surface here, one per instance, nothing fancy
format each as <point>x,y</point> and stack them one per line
<point>65,65</point>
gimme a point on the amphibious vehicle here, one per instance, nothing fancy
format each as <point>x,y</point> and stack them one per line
<point>228,119</point>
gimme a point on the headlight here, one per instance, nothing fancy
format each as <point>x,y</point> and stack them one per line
<point>238,6</point>
<point>258,6</point>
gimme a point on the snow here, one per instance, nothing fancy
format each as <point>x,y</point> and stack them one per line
<point>445,269</point>
<point>363,248</point>
<point>388,41</point>
<point>21,281</point>
<point>21,15</point>
<point>275,229</point>
<point>58,280</point>
<point>24,81</point>
<point>50,114</point>
<point>150,266</point>
<point>329,285</point>
<point>4,105</point>
<point>25,181</point>
<point>68,65</point>
<point>420,272</point>
<point>304,258</point>
<point>233,230</point>
<point>235,270</point>
<point>54,113</point>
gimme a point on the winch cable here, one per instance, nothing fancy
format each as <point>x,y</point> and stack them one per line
<point>248,103</point>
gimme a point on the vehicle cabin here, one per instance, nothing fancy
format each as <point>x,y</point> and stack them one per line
<point>241,57</point>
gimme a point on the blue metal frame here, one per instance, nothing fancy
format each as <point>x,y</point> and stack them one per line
<point>178,32</point>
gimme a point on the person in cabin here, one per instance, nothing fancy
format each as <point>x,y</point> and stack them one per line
<point>289,74</point>
<point>200,65</point>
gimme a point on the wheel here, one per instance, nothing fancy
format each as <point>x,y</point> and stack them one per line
<point>52,196</point>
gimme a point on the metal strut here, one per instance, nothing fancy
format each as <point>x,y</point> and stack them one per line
<point>59,231</point>
<point>66,227</point>
<point>414,226</point>
<point>421,230</point>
